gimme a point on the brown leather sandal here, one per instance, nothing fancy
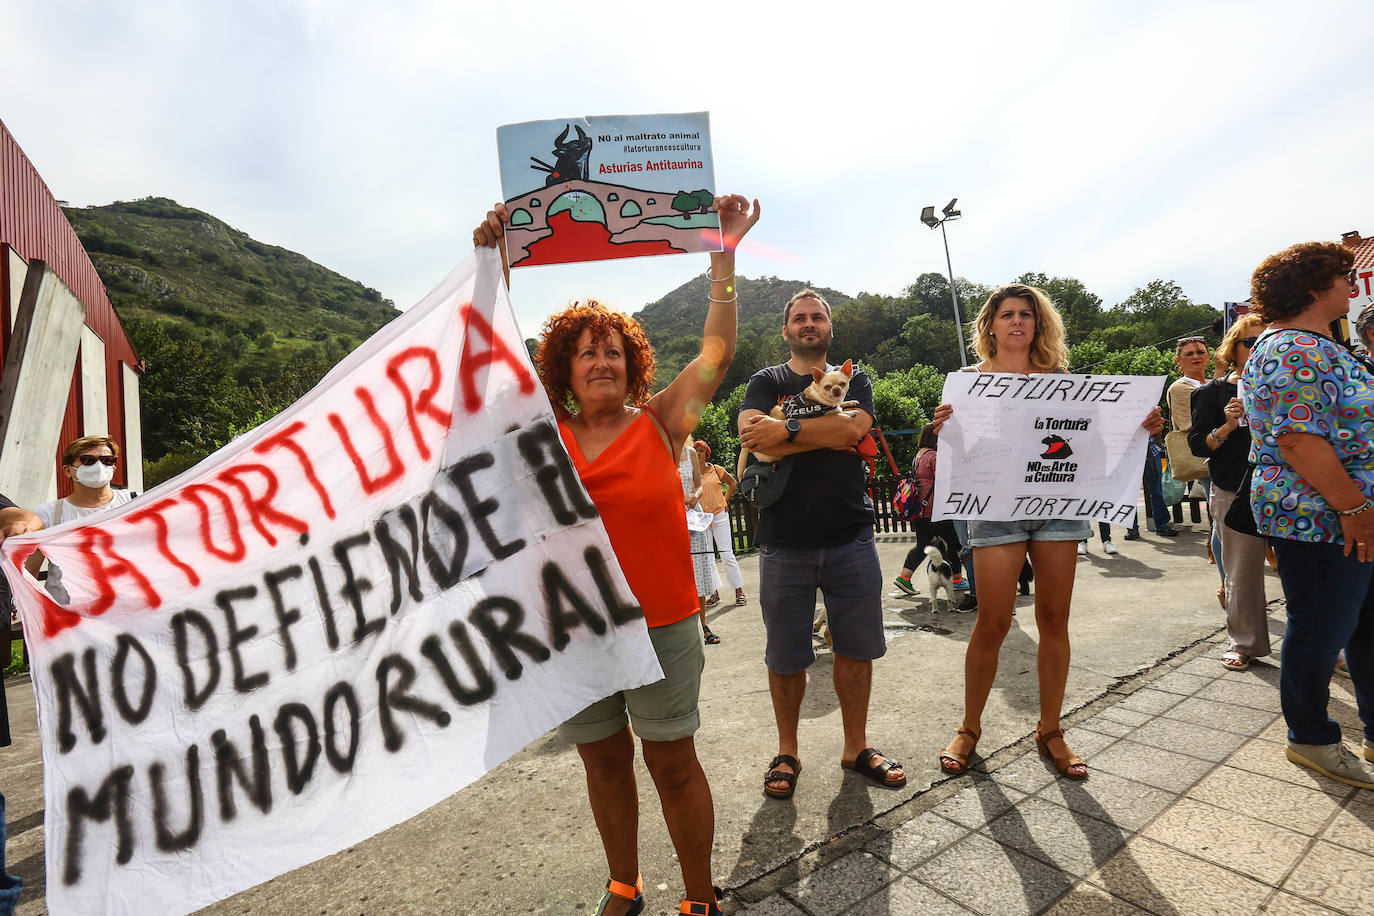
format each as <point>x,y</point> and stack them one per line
<point>1062,764</point>
<point>956,764</point>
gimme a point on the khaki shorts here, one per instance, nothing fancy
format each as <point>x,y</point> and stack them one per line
<point>665,710</point>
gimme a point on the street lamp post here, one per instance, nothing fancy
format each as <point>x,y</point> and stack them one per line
<point>928,217</point>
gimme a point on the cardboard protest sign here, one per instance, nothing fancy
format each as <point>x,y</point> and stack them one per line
<point>625,186</point>
<point>1043,446</point>
<point>333,623</point>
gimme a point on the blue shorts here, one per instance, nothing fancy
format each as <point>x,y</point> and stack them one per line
<point>983,533</point>
<point>851,582</point>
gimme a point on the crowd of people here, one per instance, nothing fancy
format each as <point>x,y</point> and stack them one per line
<point>1285,427</point>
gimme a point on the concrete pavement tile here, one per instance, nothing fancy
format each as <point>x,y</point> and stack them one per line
<point>1255,694</point>
<point>1107,726</point>
<point>1206,666</point>
<point>1181,682</point>
<point>776,905</point>
<point>991,878</point>
<point>1120,801</point>
<point>1089,900</point>
<point>1276,732</point>
<point>1295,807</point>
<point>1127,716</point>
<point>1335,876</point>
<point>1241,720</point>
<point>842,882</point>
<point>1165,880</point>
<point>1247,844</point>
<point>1069,840</point>
<point>1187,738</point>
<point>1353,827</point>
<point>1029,773</point>
<point>907,897</point>
<point>1287,905</point>
<point>979,803</point>
<point>1151,765</point>
<point>1151,702</point>
<point>917,840</point>
<point>1267,759</point>
<point>1085,742</point>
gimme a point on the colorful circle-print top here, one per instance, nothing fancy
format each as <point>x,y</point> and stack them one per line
<point>1302,382</point>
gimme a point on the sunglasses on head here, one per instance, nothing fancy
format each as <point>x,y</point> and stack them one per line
<point>1185,340</point>
<point>108,460</point>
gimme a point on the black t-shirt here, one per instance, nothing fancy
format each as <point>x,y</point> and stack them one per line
<point>823,505</point>
<point>1226,466</point>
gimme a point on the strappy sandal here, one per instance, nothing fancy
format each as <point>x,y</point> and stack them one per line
<point>741,601</point>
<point>954,763</point>
<point>864,766</point>
<point>1235,661</point>
<point>711,638</point>
<point>1062,764</point>
<point>776,775</point>
<point>693,908</point>
<point>632,892</point>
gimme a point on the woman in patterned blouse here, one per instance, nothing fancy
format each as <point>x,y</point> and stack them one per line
<point>1310,403</point>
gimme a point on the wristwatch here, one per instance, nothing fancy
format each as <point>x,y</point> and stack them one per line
<point>793,427</point>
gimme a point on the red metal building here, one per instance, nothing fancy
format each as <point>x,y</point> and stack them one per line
<point>103,398</point>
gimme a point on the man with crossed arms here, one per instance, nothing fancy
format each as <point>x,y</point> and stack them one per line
<point>819,534</point>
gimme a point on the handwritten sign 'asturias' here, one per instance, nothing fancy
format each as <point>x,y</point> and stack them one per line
<point>1043,446</point>
<point>330,625</point>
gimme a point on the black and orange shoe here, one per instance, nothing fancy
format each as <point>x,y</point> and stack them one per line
<point>692,908</point>
<point>632,892</point>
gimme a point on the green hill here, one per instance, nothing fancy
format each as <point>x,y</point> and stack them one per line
<point>674,324</point>
<point>231,329</point>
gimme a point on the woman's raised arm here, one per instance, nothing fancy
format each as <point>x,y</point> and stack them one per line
<point>681,403</point>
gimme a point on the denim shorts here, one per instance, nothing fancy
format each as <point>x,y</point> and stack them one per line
<point>983,533</point>
<point>850,580</point>
<point>665,710</point>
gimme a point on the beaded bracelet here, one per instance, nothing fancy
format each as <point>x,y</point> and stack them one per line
<point>1361,508</point>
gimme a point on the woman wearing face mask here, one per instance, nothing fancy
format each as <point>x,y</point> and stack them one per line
<point>89,463</point>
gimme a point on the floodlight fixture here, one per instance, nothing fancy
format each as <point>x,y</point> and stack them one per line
<point>928,217</point>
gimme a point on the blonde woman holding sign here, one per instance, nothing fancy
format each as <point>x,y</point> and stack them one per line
<point>624,445</point>
<point>1019,331</point>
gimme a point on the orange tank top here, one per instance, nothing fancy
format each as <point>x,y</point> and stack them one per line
<point>635,486</point>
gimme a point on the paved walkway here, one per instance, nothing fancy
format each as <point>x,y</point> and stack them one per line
<point>1190,807</point>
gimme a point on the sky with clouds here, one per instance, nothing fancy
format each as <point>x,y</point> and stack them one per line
<point>1113,142</point>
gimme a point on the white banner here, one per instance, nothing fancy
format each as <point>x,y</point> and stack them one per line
<point>331,624</point>
<point>1043,446</point>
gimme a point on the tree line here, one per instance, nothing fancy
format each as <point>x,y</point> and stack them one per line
<point>907,344</point>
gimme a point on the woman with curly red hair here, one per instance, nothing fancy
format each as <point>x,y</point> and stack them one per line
<point>598,368</point>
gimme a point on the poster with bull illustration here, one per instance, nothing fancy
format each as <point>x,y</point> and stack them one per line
<point>622,186</point>
<point>1044,446</point>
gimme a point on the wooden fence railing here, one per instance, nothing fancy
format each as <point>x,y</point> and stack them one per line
<point>744,517</point>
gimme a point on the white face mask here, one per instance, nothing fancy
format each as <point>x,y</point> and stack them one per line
<point>94,476</point>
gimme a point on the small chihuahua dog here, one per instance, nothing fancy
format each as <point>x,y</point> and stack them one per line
<point>824,395</point>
